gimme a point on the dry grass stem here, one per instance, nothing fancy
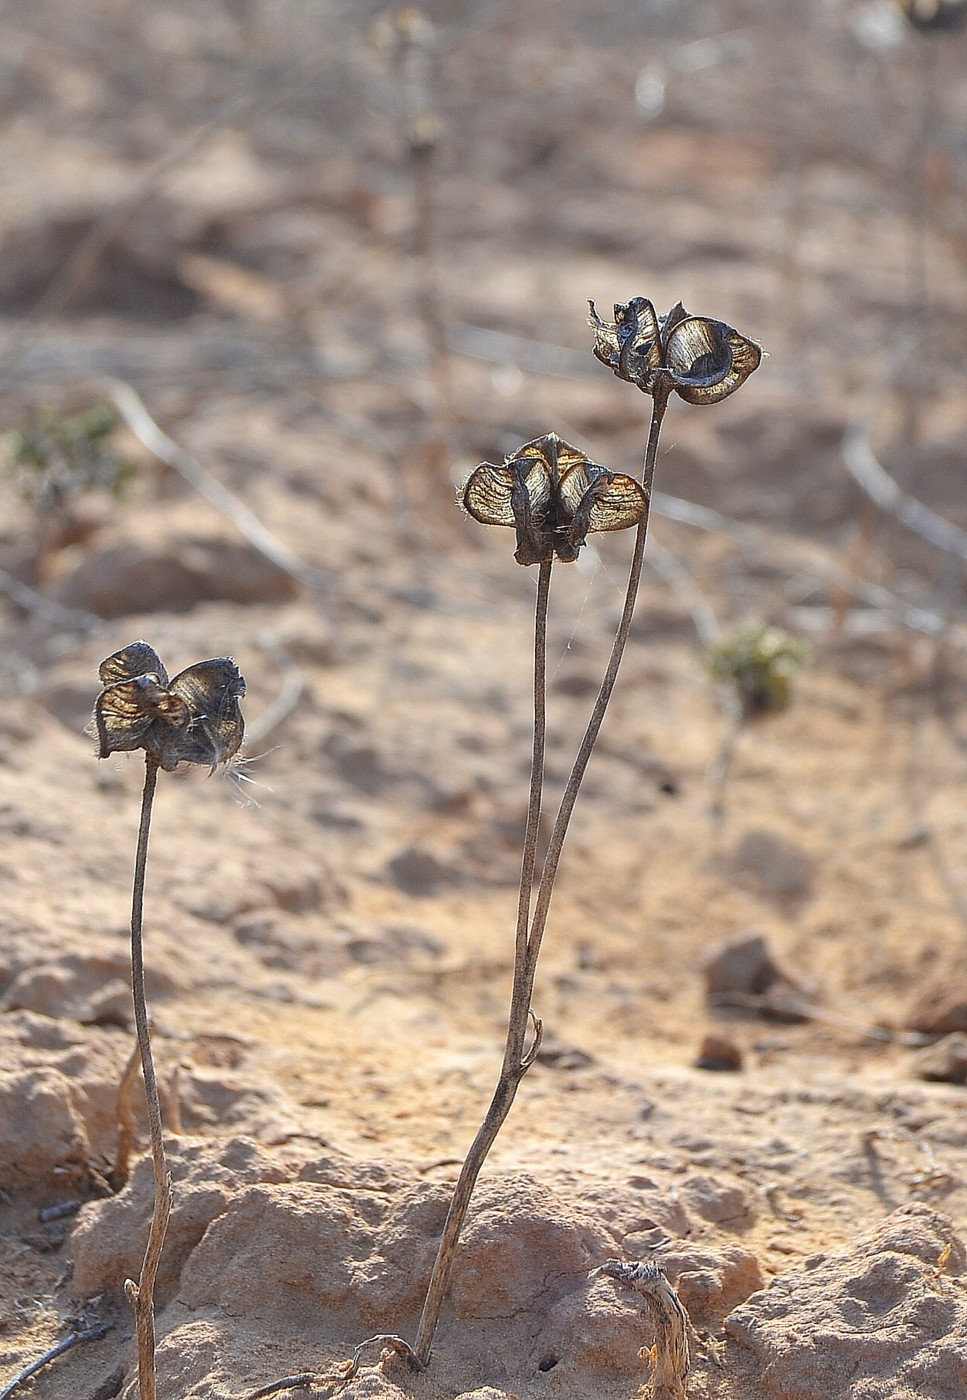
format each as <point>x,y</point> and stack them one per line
<point>807,561</point>
<point>77,270</point>
<point>784,1003</point>
<point>131,408</point>
<point>873,478</point>
<point>173,1103</point>
<point>516,1062</point>
<point>347,1371</point>
<point>75,619</point>
<point>669,1356</point>
<point>279,709</point>
<point>141,1294</point>
<point>673,572</point>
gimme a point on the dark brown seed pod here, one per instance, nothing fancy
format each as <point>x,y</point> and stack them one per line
<point>554,496</point>
<point>701,359</point>
<point>194,718</point>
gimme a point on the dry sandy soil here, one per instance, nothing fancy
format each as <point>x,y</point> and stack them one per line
<point>215,205</point>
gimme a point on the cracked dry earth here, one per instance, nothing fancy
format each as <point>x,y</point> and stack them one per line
<point>329,963</point>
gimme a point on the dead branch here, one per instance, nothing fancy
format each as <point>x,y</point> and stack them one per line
<point>290,691</point>
<point>872,478</point>
<point>85,1334</point>
<point>814,559</point>
<point>344,1373</point>
<point>671,569</point>
<point>786,1003</point>
<point>131,408</point>
<point>126,1120</point>
<point>669,1356</point>
<point>31,601</point>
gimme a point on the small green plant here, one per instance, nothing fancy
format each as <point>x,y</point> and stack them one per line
<point>758,663</point>
<point>194,718</point>
<point>755,668</point>
<point>56,456</point>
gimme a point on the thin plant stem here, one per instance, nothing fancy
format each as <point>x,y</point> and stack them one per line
<point>576,776</point>
<point>515,1063</point>
<point>141,1294</point>
<point>535,798</point>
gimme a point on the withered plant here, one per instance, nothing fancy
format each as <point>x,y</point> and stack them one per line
<point>407,38</point>
<point>669,1357</point>
<point>194,718</point>
<point>554,496</point>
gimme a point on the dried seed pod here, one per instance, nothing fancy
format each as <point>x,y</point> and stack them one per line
<point>708,360</point>
<point>554,496</point>
<point>194,718</point>
<point>701,359</point>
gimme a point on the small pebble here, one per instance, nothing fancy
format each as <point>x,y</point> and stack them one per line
<point>719,1052</point>
<point>945,1062</point>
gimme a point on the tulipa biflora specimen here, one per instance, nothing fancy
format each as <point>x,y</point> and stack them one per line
<point>194,718</point>
<point>554,496</point>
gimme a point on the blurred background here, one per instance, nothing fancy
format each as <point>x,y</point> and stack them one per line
<point>313,237</point>
<point>274,277</point>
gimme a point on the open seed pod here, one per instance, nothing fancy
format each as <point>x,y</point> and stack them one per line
<point>554,496</point>
<point>194,718</point>
<point>701,359</point>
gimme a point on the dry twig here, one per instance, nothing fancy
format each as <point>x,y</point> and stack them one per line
<point>80,265</point>
<point>669,1356</point>
<point>344,1373</point>
<point>139,420</point>
<point>784,1002</point>
<point>84,1334</point>
<point>873,478</point>
<point>31,601</point>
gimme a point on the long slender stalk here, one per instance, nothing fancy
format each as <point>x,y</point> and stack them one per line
<point>141,1294</point>
<point>576,776</point>
<point>530,932</point>
<point>515,1063</point>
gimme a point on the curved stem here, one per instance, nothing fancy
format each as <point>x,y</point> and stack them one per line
<point>515,1063</point>
<point>576,777</point>
<point>141,1294</point>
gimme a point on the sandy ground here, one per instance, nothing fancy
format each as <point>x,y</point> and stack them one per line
<point>330,923</point>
